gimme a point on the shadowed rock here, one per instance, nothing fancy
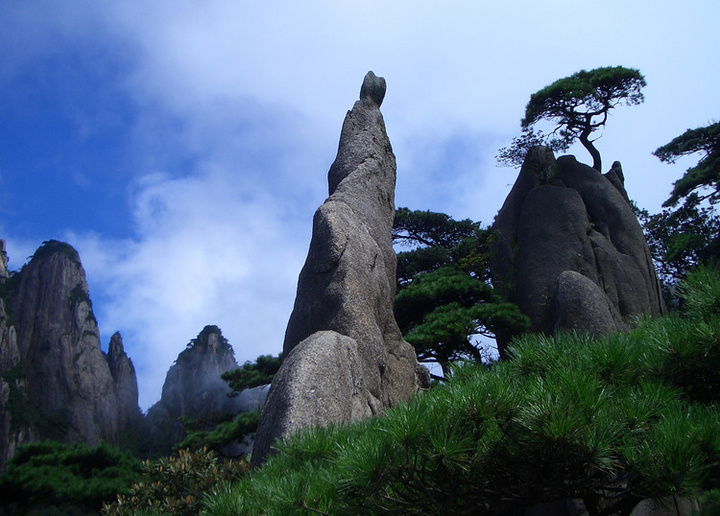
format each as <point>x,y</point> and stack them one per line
<point>125,379</point>
<point>347,359</point>
<point>565,216</point>
<point>194,389</point>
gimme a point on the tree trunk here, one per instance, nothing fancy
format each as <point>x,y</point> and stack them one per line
<point>585,140</point>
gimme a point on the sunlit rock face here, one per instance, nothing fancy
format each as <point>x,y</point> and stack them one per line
<point>346,358</point>
<point>63,378</point>
<point>570,251</point>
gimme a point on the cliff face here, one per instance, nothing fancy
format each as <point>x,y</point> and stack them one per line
<point>58,383</point>
<point>10,434</point>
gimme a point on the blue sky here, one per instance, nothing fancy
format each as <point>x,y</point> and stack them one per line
<point>182,147</point>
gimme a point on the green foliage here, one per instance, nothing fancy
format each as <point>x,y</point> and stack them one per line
<point>444,299</point>
<point>704,175</point>
<point>577,105</point>
<point>436,240</point>
<point>679,239</point>
<point>178,485</point>
<point>610,421</point>
<point>687,234</point>
<point>225,433</point>
<point>514,154</point>
<point>253,374</point>
<point>50,477</point>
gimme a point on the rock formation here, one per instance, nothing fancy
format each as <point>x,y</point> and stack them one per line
<point>346,358</point>
<point>194,390</point>
<point>125,381</point>
<point>57,382</point>
<point>10,433</point>
<point>571,253</point>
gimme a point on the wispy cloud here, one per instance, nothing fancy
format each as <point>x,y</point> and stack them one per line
<point>206,253</point>
<point>230,114</point>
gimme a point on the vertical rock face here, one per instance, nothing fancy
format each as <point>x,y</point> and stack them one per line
<point>10,436</point>
<point>193,389</point>
<point>9,353</point>
<point>68,382</point>
<point>55,381</point>
<point>571,253</point>
<point>125,382</point>
<point>347,359</point>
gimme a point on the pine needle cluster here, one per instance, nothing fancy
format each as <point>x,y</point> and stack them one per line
<point>611,421</point>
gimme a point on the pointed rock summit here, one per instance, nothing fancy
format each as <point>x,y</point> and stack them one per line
<point>125,381</point>
<point>346,358</point>
<point>194,390</point>
<point>570,251</point>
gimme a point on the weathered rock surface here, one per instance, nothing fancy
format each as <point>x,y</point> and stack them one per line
<point>10,435</point>
<point>68,384</point>
<point>125,381</point>
<point>56,381</point>
<point>193,389</point>
<point>565,216</point>
<point>342,336</point>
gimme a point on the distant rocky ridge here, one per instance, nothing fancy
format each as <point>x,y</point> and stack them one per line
<point>570,251</point>
<point>56,382</point>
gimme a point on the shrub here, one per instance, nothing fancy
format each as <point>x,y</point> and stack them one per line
<point>610,420</point>
<point>177,485</point>
<point>47,477</point>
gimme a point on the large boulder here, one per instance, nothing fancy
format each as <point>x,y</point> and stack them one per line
<point>346,356</point>
<point>562,215</point>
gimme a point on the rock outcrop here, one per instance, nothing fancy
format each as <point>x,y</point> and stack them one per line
<point>193,390</point>
<point>125,381</point>
<point>56,381</point>
<point>68,379</point>
<point>11,434</point>
<point>346,358</point>
<point>571,253</point>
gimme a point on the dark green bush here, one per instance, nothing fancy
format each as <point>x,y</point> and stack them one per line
<point>49,477</point>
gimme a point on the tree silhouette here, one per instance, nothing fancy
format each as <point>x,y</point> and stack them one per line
<point>578,105</point>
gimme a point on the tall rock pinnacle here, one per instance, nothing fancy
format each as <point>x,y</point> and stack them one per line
<point>346,356</point>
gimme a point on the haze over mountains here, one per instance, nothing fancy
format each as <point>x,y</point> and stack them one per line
<point>57,383</point>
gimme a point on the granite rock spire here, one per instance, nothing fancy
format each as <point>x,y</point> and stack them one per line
<point>346,358</point>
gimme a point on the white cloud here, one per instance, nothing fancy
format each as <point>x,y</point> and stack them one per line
<point>206,253</point>
<point>239,108</point>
